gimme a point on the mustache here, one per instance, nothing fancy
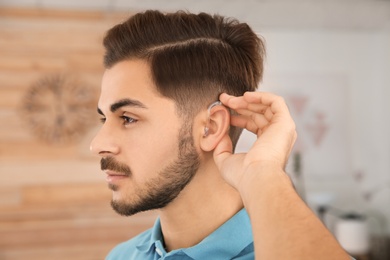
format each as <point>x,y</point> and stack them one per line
<point>109,163</point>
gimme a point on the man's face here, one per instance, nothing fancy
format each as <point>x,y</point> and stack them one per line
<point>147,153</point>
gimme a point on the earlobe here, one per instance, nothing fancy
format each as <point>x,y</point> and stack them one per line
<point>217,126</point>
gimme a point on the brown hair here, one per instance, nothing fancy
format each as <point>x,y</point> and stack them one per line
<point>193,57</point>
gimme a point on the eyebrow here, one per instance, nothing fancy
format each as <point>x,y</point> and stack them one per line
<point>123,103</point>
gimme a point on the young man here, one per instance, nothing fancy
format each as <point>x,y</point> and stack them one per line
<point>167,144</point>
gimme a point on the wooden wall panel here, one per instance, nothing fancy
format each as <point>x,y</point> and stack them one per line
<point>54,202</point>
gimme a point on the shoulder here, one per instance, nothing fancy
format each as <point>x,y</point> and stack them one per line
<point>130,248</point>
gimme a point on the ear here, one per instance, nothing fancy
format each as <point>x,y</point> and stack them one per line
<point>214,128</point>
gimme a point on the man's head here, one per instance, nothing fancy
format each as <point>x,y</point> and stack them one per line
<point>162,72</point>
<point>193,58</point>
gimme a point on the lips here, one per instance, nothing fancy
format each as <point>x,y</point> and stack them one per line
<point>113,177</point>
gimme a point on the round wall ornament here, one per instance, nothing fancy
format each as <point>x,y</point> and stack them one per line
<point>59,108</point>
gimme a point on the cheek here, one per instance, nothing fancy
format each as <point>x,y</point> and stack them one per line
<point>149,151</point>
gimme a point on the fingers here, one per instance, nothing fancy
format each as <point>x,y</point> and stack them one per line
<point>275,102</point>
<point>256,110</point>
<point>267,116</point>
<point>258,102</point>
<point>237,103</point>
<point>254,124</point>
<point>253,104</point>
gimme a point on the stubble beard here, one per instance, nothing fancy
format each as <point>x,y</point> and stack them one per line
<point>166,186</point>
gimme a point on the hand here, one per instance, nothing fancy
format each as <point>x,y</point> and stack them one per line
<point>267,116</point>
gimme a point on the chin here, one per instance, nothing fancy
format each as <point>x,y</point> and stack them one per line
<point>118,197</point>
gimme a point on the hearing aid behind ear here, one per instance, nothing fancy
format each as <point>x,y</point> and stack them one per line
<point>206,128</point>
<point>216,103</point>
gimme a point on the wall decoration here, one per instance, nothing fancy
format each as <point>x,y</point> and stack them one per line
<point>59,108</point>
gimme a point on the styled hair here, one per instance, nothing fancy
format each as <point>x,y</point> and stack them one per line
<point>193,57</point>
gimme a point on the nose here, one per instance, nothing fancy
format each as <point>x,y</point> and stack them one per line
<point>104,144</point>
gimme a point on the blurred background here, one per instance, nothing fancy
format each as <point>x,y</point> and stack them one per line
<point>330,60</point>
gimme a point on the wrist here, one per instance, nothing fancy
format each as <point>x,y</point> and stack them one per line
<point>263,181</point>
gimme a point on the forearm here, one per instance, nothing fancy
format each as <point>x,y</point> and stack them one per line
<point>283,226</point>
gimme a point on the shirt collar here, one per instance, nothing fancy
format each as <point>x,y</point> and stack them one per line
<point>156,235</point>
<point>229,239</point>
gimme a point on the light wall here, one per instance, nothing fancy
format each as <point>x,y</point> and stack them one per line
<point>361,60</point>
<point>54,203</point>
<point>350,169</point>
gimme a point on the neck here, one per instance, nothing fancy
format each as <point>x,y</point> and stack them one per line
<point>205,204</point>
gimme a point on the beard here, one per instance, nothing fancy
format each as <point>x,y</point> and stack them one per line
<point>159,191</point>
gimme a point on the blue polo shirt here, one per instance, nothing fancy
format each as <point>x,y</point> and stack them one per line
<point>232,240</point>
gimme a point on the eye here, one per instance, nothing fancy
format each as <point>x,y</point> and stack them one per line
<point>128,120</point>
<point>102,120</point>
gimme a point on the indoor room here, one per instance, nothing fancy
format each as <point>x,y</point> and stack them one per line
<point>329,60</point>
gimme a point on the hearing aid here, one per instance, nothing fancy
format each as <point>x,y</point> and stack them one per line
<point>206,128</point>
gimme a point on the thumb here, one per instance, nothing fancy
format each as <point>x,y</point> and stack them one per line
<point>223,151</point>
<point>228,163</point>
